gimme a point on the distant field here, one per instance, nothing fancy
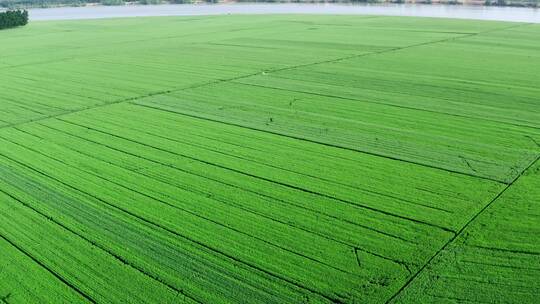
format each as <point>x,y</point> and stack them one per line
<point>270,159</point>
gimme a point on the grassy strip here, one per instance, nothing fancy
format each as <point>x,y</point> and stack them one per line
<point>65,254</point>
<point>496,258</point>
<point>23,280</point>
<point>187,267</point>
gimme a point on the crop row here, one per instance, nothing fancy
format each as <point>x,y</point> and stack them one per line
<point>312,235</point>
<point>497,259</point>
<point>59,67</point>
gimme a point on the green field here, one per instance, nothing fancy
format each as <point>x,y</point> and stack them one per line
<point>270,159</point>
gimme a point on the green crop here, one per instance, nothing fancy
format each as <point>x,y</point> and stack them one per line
<point>269,159</point>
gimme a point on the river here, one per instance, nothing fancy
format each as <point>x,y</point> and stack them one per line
<point>516,14</point>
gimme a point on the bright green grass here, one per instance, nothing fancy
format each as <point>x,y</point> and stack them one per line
<point>269,159</point>
<point>497,258</point>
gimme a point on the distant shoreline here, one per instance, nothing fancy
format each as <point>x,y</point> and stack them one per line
<point>32,4</point>
<point>510,14</point>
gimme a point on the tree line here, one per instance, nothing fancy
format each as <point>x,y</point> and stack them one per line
<point>16,4</point>
<point>13,18</point>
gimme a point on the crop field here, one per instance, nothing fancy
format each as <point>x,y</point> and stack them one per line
<point>270,159</point>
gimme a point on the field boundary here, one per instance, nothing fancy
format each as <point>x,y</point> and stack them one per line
<point>114,255</point>
<point>231,79</point>
<point>489,204</point>
<point>325,144</point>
<point>46,268</point>
<point>172,90</point>
<point>391,105</point>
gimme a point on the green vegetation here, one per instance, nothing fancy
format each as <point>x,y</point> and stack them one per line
<point>9,19</point>
<point>496,259</point>
<point>523,3</point>
<point>269,159</point>
<point>113,2</point>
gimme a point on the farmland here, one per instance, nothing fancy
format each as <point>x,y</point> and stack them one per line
<point>270,159</point>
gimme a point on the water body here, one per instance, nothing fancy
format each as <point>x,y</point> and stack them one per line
<point>442,11</point>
